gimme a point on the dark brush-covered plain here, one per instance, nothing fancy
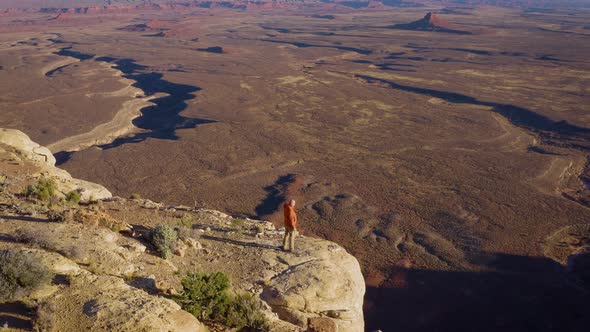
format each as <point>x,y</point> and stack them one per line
<point>448,152</point>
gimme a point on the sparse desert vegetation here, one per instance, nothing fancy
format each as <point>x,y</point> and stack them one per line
<point>186,221</point>
<point>73,197</point>
<point>444,146</point>
<point>20,274</point>
<point>208,297</point>
<point>43,190</point>
<point>164,237</point>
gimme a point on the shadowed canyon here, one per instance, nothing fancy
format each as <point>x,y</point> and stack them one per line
<point>444,146</point>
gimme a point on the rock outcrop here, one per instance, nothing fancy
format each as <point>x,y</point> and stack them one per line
<point>109,304</point>
<point>101,303</point>
<point>106,281</point>
<point>26,147</point>
<point>23,149</point>
<point>102,250</point>
<point>319,280</point>
<point>322,280</point>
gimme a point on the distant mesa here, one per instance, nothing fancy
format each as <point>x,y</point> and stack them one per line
<point>157,27</point>
<point>213,49</point>
<point>432,22</point>
<point>399,3</point>
<point>353,4</point>
<point>142,27</point>
<point>325,17</point>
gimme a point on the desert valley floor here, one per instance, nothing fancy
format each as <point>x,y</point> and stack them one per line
<point>452,165</point>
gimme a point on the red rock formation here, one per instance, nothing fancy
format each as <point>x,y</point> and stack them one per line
<point>432,22</point>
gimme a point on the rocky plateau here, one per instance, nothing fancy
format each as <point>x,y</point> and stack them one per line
<point>109,279</point>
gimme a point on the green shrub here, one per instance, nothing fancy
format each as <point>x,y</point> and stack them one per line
<point>207,297</point>
<point>164,237</point>
<point>20,274</point>
<point>237,223</point>
<point>245,312</point>
<point>73,197</point>
<point>44,190</point>
<point>186,221</point>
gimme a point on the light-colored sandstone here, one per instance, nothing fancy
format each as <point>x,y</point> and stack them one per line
<point>321,280</point>
<point>106,303</point>
<point>45,161</point>
<point>26,147</point>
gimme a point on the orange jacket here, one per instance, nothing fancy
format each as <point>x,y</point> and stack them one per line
<point>290,216</point>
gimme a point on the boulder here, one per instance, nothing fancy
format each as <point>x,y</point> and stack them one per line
<point>106,303</point>
<point>100,250</point>
<point>192,243</point>
<point>180,248</point>
<point>322,324</point>
<point>89,191</point>
<point>321,280</point>
<point>56,263</point>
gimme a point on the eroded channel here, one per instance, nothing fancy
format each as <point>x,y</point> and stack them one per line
<point>160,120</point>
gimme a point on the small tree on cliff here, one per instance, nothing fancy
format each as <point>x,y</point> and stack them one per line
<point>164,237</point>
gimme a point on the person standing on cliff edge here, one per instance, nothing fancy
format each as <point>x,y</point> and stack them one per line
<point>290,226</point>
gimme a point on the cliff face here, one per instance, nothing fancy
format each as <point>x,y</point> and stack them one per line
<point>110,278</point>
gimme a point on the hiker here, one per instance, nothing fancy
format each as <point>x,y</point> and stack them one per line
<point>290,226</point>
